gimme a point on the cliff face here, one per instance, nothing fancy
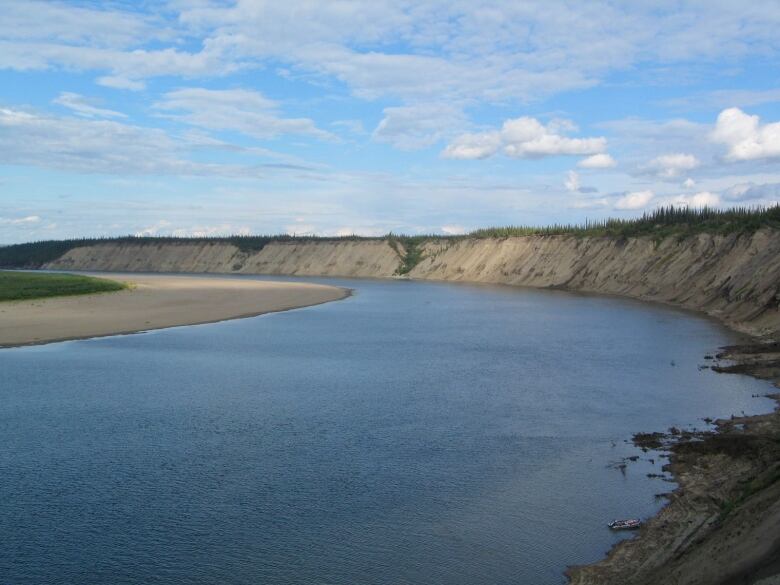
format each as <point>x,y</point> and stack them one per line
<point>366,259</point>
<point>735,278</point>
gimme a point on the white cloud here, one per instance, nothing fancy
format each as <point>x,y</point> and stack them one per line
<point>486,51</point>
<point>351,126</point>
<point>224,229</point>
<point>83,106</point>
<point>722,98</point>
<point>745,137</point>
<point>701,199</point>
<point>670,166</point>
<point>597,203</point>
<point>240,110</point>
<point>572,182</point>
<point>119,82</point>
<point>523,137</point>
<point>30,219</point>
<point>473,146</point>
<point>689,183</point>
<point>453,230</point>
<point>634,200</point>
<point>418,126</point>
<point>598,161</point>
<point>102,146</point>
<point>489,51</point>
<point>154,230</point>
<point>751,191</point>
<point>163,227</point>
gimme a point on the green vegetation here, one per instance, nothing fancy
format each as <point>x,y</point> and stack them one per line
<point>680,222</point>
<point>660,223</point>
<point>19,286</point>
<point>37,254</point>
<point>413,252</point>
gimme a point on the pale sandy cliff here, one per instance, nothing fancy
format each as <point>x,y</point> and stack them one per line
<point>735,278</point>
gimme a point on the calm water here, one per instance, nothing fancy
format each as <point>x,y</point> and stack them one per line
<point>415,433</point>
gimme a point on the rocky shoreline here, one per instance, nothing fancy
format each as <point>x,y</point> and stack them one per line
<point>722,523</point>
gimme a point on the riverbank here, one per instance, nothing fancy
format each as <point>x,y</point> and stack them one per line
<point>722,523</point>
<point>153,302</point>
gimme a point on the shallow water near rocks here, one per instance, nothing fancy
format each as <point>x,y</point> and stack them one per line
<point>417,433</point>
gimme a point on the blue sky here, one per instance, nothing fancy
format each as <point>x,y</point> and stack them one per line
<point>194,117</point>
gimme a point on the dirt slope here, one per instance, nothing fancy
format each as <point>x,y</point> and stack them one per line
<point>371,258</point>
<point>735,278</point>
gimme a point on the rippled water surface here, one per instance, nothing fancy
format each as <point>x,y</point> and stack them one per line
<point>415,433</point>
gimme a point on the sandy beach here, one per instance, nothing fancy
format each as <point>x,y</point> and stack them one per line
<point>153,302</point>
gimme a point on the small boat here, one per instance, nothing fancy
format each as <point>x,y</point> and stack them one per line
<point>631,524</point>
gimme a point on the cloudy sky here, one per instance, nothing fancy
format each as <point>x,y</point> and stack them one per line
<point>304,116</point>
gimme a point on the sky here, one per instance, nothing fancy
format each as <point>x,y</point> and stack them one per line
<point>201,117</point>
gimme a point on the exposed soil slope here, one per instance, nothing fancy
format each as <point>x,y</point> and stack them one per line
<point>366,259</point>
<point>735,278</point>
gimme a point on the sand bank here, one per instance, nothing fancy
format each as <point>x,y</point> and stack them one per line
<point>153,302</point>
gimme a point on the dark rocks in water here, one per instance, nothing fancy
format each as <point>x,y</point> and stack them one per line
<point>647,441</point>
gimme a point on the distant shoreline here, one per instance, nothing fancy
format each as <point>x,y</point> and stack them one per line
<point>153,302</point>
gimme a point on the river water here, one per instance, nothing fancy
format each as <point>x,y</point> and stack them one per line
<point>415,433</point>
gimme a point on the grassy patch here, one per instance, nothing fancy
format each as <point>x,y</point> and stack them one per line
<point>20,286</point>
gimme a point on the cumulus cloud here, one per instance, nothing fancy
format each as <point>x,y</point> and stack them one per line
<point>634,200</point>
<point>745,137</point>
<point>153,230</point>
<point>84,107</point>
<point>453,230</point>
<point>598,161</point>
<point>701,199</point>
<point>689,183</point>
<point>240,110</point>
<point>473,146</point>
<point>671,166</point>
<point>523,137</point>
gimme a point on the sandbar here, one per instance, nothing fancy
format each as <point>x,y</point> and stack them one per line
<point>153,302</point>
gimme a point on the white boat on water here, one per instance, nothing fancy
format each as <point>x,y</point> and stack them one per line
<point>631,524</point>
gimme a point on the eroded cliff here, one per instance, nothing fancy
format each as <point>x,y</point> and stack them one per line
<point>735,277</point>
